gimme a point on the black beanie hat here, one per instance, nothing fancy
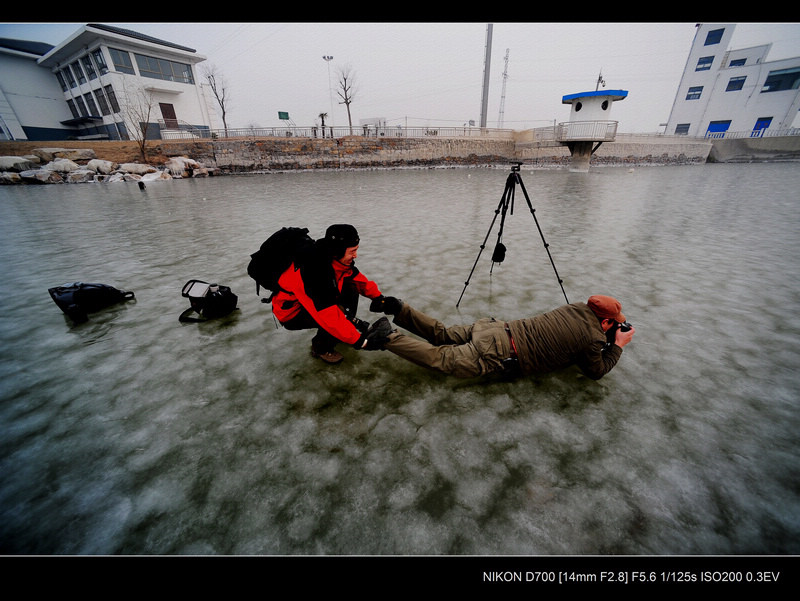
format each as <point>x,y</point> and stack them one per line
<point>340,237</point>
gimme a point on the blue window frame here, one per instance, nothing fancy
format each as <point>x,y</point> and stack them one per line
<point>717,129</point>
<point>704,63</point>
<point>762,123</point>
<point>735,84</point>
<point>694,93</point>
<point>714,37</point>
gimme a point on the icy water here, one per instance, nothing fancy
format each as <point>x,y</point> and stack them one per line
<point>136,434</point>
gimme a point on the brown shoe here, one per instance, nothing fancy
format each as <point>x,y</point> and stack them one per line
<point>331,357</point>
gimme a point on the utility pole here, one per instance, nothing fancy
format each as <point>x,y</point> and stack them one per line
<point>503,95</point>
<point>328,59</point>
<point>486,65</point>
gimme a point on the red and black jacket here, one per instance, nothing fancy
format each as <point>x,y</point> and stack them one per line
<point>316,285</point>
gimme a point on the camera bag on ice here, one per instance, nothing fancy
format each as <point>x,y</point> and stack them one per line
<point>76,300</point>
<point>207,300</point>
<point>275,256</point>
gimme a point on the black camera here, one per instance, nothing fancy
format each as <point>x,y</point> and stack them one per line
<point>611,334</point>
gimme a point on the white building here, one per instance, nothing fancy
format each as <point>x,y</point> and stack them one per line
<point>102,82</point>
<point>31,102</point>
<point>728,90</point>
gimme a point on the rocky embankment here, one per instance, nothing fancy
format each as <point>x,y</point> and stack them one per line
<point>81,165</point>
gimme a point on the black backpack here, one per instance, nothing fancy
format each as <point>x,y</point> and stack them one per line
<point>76,300</point>
<point>207,300</point>
<point>275,256</point>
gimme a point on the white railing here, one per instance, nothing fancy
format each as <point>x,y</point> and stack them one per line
<point>188,132</point>
<point>596,131</point>
<point>755,133</point>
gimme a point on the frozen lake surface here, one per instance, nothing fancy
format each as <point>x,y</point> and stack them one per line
<point>136,434</point>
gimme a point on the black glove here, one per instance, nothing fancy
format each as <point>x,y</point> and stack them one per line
<point>378,334</point>
<point>361,325</point>
<point>386,304</point>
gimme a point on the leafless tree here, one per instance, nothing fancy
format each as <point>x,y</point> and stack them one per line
<point>137,108</point>
<point>347,91</point>
<point>219,87</point>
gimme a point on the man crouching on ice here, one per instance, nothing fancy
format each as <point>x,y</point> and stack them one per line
<point>321,291</point>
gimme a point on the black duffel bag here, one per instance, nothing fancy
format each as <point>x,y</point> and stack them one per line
<point>78,299</point>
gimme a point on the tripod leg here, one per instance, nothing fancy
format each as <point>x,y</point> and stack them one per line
<point>502,206</point>
<point>546,245</point>
<point>499,254</point>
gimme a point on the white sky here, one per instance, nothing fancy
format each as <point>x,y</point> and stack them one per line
<point>431,74</point>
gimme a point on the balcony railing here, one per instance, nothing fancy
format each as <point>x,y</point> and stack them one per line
<point>589,131</point>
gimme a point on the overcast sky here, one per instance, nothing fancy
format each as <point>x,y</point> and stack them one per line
<point>431,74</point>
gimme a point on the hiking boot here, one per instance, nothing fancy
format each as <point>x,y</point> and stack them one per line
<point>330,357</point>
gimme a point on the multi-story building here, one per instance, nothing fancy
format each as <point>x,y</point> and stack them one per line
<point>726,91</point>
<point>102,82</point>
<point>31,102</point>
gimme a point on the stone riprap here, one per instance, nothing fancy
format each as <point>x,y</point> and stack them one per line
<point>81,165</point>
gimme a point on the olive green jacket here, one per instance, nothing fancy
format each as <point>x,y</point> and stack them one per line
<point>569,335</point>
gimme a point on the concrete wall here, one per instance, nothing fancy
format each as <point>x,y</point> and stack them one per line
<point>358,152</point>
<point>272,154</point>
<point>626,149</point>
<point>753,150</point>
<point>239,155</point>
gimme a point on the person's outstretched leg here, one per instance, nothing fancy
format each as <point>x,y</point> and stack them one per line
<point>432,330</point>
<point>461,351</point>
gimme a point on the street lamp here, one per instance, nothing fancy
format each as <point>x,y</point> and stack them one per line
<point>328,60</point>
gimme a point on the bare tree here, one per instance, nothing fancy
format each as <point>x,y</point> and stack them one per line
<point>347,91</point>
<point>137,107</point>
<point>219,87</point>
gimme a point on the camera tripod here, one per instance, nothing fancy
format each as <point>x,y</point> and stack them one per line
<point>506,204</point>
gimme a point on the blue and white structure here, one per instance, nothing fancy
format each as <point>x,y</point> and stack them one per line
<point>590,124</point>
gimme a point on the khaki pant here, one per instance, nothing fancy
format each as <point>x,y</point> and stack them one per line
<point>464,351</point>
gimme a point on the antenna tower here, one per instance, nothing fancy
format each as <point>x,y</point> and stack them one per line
<point>503,95</point>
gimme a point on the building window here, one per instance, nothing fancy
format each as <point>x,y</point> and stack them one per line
<point>783,79</point>
<point>72,109</point>
<point>90,103</point>
<point>97,55</point>
<point>101,101</point>
<point>70,79</point>
<point>81,107</point>
<point>89,67</point>
<point>714,37</point>
<point>762,123</point>
<point>122,61</point>
<point>704,63</point>
<point>735,84</point>
<point>694,93</point>
<point>682,129</point>
<point>717,129</point>
<point>159,68</point>
<point>76,66</point>
<point>112,98</point>
<point>739,62</point>
<point>61,81</point>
